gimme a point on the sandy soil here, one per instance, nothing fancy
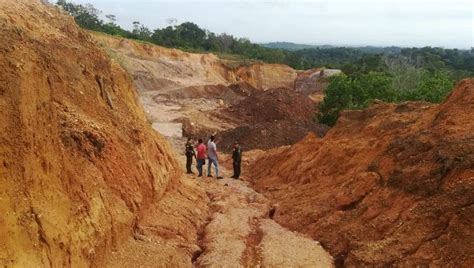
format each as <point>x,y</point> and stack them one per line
<point>238,232</point>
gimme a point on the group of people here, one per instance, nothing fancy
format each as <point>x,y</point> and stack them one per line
<point>209,152</point>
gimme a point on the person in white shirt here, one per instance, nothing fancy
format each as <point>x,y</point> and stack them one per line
<point>212,157</point>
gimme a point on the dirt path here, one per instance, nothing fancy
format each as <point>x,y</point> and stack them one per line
<point>233,224</point>
<point>241,233</point>
<point>235,230</point>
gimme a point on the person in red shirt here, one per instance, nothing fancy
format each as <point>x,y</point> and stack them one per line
<point>201,156</point>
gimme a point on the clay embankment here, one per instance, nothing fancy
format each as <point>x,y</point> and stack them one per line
<point>80,166</point>
<point>85,181</point>
<point>390,185</point>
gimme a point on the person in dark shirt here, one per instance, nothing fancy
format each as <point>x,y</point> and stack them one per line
<point>189,152</point>
<point>237,159</point>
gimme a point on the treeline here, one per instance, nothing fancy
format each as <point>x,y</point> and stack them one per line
<point>189,36</point>
<point>390,74</point>
<point>186,36</point>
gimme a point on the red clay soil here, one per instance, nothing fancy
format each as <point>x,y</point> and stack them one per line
<point>392,185</point>
<point>79,165</point>
<point>271,118</point>
<point>273,105</point>
<point>268,135</point>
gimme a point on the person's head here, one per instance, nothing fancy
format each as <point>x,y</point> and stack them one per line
<point>189,139</point>
<point>236,144</point>
<point>200,140</point>
<point>212,138</point>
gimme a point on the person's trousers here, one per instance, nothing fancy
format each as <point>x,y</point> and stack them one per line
<point>216,165</point>
<point>189,163</point>
<point>236,166</point>
<point>200,163</point>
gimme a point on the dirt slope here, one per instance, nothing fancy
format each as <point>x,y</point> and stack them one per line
<point>189,94</point>
<point>159,68</point>
<point>182,92</point>
<point>390,185</point>
<point>79,165</point>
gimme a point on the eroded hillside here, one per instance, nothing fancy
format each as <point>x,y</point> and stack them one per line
<point>390,185</point>
<point>191,94</point>
<point>161,69</point>
<point>80,165</point>
<point>86,181</point>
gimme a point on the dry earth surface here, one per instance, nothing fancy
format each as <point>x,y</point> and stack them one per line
<point>190,94</point>
<point>86,181</point>
<point>392,185</point>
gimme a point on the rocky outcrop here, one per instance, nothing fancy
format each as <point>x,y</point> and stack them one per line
<point>391,185</point>
<point>79,163</point>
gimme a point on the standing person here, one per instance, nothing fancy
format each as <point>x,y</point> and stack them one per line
<point>237,158</point>
<point>189,152</point>
<point>201,156</point>
<point>212,157</point>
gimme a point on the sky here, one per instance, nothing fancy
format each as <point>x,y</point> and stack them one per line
<point>407,23</point>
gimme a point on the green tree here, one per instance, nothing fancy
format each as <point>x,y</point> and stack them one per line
<point>86,16</point>
<point>191,35</point>
<point>433,87</point>
<point>337,97</point>
<point>354,92</point>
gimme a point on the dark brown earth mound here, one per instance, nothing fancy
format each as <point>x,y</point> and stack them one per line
<point>392,185</point>
<point>79,165</point>
<point>274,105</point>
<point>271,118</point>
<point>268,135</point>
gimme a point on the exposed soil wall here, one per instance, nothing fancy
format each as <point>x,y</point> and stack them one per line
<point>161,69</point>
<point>390,185</point>
<point>78,162</point>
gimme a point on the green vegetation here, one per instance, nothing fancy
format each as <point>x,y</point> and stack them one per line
<point>358,90</point>
<point>189,36</point>
<point>391,74</point>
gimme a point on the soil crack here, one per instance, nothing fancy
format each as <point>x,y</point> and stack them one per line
<point>252,256</point>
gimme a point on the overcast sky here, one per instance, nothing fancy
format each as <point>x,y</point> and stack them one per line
<point>447,23</point>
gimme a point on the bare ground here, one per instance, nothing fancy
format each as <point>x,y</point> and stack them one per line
<point>237,232</point>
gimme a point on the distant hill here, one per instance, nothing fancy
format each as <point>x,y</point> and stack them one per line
<point>287,45</point>
<point>366,49</point>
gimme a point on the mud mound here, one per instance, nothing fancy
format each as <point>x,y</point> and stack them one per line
<point>271,118</point>
<point>390,185</point>
<point>243,89</point>
<point>273,105</point>
<point>80,165</point>
<point>268,135</point>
